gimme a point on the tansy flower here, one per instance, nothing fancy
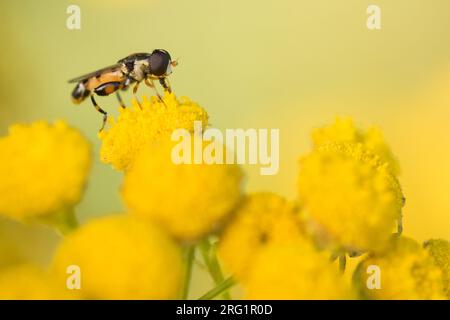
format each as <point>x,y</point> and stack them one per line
<point>295,271</point>
<point>344,130</point>
<point>440,251</point>
<point>406,271</point>
<point>349,195</point>
<point>189,200</point>
<point>43,169</point>
<point>138,126</point>
<point>28,282</point>
<point>122,258</point>
<point>261,220</point>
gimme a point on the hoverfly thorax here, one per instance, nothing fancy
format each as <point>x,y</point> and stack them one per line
<point>136,69</point>
<point>135,66</point>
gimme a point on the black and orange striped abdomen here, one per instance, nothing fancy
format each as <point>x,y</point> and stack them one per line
<point>79,93</point>
<point>98,84</point>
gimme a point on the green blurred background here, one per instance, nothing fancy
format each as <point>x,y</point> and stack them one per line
<point>288,64</point>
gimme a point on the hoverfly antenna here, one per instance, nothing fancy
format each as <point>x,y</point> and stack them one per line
<point>174,63</point>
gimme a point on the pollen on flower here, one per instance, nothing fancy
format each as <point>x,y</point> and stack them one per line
<point>295,271</point>
<point>122,258</point>
<point>43,169</point>
<point>189,200</point>
<point>350,195</point>
<point>138,126</point>
<point>407,272</point>
<point>344,130</point>
<point>439,249</point>
<point>261,220</point>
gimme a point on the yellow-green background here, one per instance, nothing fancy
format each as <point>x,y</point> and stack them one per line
<point>287,64</point>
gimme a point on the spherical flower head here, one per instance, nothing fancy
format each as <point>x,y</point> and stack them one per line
<point>439,250</point>
<point>28,282</point>
<point>138,126</point>
<point>350,195</point>
<point>344,130</point>
<point>407,271</point>
<point>189,200</point>
<point>122,258</point>
<point>295,271</point>
<point>44,168</point>
<point>261,220</point>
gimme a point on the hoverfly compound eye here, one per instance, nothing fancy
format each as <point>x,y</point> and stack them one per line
<point>160,62</point>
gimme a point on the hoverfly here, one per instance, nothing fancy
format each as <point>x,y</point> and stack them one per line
<point>132,69</point>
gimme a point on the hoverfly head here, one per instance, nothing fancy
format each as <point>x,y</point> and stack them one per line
<point>160,63</point>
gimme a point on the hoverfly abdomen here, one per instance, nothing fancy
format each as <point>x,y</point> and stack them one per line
<point>107,88</point>
<point>79,93</point>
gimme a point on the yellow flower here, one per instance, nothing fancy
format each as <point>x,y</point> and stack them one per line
<point>406,272</point>
<point>43,169</point>
<point>27,282</point>
<point>122,258</point>
<point>349,194</point>
<point>344,130</point>
<point>261,220</point>
<point>295,271</point>
<point>440,251</point>
<point>138,126</point>
<point>189,200</point>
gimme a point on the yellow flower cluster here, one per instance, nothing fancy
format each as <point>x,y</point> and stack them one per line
<point>349,200</point>
<point>407,271</point>
<point>439,249</point>
<point>295,271</point>
<point>189,200</point>
<point>350,195</point>
<point>28,282</point>
<point>43,169</point>
<point>264,246</point>
<point>343,130</point>
<point>122,258</point>
<point>261,220</point>
<point>146,123</point>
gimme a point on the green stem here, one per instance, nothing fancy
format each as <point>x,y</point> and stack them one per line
<point>400,225</point>
<point>212,263</point>
<point>69,224</point>
<point>190,254</point>
<point>342,262</point>
<point>220,288</point>
<point>63,222</point>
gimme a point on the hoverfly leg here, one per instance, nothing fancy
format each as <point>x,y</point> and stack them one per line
<point>165,84</point>
<point>97,107</point>
<point>107,88</point>
<point>126,84</point>
<point>135,88</point>
<point>151,84</point>
<point>119,98</point>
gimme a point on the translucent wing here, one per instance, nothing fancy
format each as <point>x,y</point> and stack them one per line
<point>135,56</point>
<point>96,73</point>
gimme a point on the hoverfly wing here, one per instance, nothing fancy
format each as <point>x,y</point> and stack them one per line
<point>135,56</point>
<point>113,67</point>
